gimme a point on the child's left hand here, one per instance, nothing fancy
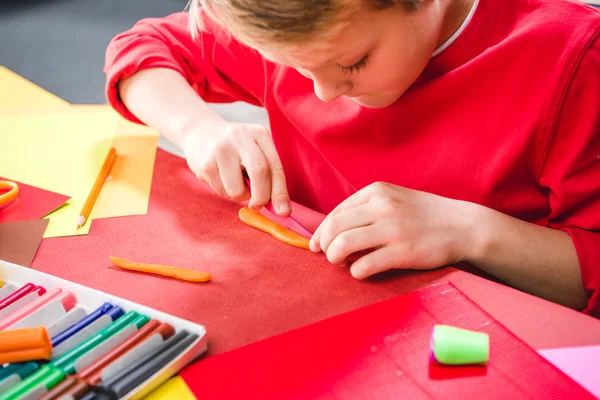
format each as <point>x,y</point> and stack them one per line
<point>395,227</point>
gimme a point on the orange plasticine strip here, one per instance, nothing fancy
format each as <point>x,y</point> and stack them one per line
<point>259,221</point>
<point>164,270</point>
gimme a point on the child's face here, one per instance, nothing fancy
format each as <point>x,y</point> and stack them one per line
<point>373,60</point>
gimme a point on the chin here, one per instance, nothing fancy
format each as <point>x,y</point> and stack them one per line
<point>374,101</point>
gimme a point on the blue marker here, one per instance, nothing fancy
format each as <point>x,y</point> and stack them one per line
<point>113,311</point>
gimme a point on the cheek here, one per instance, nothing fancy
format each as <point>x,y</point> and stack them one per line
<point>385,75</point>
<point>395,71</point>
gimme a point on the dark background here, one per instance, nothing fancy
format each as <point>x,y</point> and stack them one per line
<point>60,44</point>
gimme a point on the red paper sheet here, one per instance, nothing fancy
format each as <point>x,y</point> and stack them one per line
<point>32,203</point>
<point>382,352</point>
<point>261,287</point>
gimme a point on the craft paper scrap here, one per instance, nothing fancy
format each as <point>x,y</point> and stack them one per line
<point>32,203</point>
<point>174,388</point>
<point>19,240</point>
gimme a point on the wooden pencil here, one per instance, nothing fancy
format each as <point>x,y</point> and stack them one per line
<point>100,179</point>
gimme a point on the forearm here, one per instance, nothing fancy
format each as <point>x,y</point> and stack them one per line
<point>163,99</point>
<point>538,260</point>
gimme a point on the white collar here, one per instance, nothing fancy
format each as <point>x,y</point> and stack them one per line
<point>456,34</point>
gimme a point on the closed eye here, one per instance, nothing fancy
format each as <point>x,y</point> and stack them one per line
<point>355,67</point>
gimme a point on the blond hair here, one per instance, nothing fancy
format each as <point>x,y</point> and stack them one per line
<point>285,22</point>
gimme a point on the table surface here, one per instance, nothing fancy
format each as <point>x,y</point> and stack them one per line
<point>70,57</point>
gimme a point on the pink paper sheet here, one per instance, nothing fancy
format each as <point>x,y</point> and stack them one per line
<point>582,364</point>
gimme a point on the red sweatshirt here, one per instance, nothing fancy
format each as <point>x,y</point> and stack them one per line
<point>508,116</point>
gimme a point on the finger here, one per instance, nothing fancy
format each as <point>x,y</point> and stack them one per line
<point>353,241</point>
<point>279,193</point>
<point>375,262</point>
<point>341,221</point>
<point>257,168</point>
<point>230,172</point>
<point>357,199</point>
<point>210,174</point>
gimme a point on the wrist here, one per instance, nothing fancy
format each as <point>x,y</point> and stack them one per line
<point>184,128</point>
<point>478,233</point>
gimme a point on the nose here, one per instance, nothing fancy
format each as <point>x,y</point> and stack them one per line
<point>329,90</point>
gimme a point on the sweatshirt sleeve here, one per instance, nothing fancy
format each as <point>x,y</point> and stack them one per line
<point>571,170</point>
<point>219,68</point>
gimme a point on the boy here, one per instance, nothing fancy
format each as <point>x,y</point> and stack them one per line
<point>430,131</point>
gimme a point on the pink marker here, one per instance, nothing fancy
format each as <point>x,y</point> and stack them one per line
<point>24,290</point>
<point>66,298</point>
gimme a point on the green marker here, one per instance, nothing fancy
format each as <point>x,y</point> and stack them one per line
<point>66,362</point>
<point>43,380</point>
<point>456,346</point>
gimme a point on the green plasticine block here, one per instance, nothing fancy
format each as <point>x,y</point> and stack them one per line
<point>456,346</point>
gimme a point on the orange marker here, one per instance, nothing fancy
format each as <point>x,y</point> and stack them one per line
<point>102,175</point>
<point>183,274</point>
<point>27,344</point>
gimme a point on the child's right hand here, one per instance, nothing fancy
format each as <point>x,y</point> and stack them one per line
<point>216,151</point>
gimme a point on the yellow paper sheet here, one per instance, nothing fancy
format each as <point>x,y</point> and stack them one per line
<point>62,152</point>
<point>128,190</point>
<point>173,389</point>
<point>18,92</point>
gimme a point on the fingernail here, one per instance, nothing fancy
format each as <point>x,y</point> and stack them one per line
<point>314,247</point>
<point>283,208</point>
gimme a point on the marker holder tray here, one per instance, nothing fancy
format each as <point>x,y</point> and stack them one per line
<point>90,299</point>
